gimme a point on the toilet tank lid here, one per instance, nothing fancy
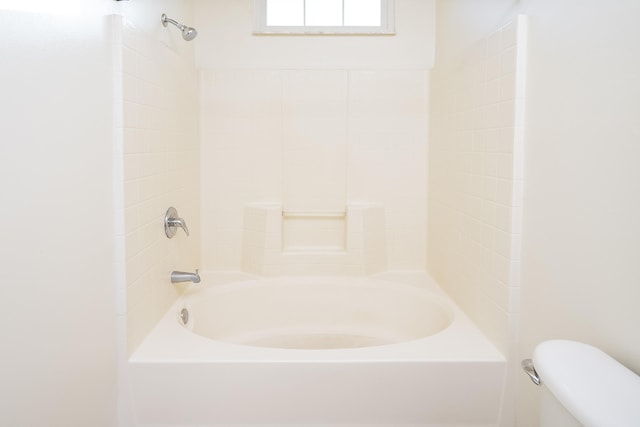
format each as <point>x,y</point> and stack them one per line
<point>594,387</point>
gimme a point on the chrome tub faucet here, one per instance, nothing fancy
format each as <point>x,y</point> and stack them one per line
<point>183,276</point>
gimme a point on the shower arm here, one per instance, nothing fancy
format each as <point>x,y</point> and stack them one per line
<point>166,19</point>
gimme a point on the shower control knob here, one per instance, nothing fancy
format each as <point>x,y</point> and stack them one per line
<point>172,221</point>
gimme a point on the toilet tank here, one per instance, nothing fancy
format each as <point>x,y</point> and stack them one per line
<point>583,386</point>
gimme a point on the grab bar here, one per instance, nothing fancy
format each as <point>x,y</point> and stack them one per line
<point>334,214</point>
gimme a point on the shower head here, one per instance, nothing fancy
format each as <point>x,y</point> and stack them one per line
<point>188,33</point>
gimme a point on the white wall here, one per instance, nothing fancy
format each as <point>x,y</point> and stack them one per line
<point>580,210</point>
<point>99,137</point>
<point>227,41</point>
<point>581,229</point>
<point>57,253</point>
<point>278,112</point>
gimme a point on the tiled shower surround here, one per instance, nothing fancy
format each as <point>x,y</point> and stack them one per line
<point>319,144</point>
<point>310,139</point>
<point>476,181</point>
<point>160,168</point>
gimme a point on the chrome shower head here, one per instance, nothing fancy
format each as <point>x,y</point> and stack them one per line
<point>188,33</point>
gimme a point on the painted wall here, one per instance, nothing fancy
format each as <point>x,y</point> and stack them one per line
<point>227,41</point>
<point>580,210</point>
<point>581,230</point>
<point>158,138</point>
<point>58,248</point>
<point>313,124</point>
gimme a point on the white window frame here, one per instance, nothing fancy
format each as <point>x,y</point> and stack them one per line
<point>260,27</point>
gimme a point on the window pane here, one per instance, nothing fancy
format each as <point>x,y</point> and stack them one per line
<point>285,13</point>
<point>362,13</point>
<point>323,13</point>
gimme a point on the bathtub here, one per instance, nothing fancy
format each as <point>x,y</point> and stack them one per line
<point>391,350</point>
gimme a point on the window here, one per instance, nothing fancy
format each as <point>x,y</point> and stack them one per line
<point>324,17</point>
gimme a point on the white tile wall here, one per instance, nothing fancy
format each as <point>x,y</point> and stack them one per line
<point>314,140</point>
<point>476,180</point>
<point>160,168</point>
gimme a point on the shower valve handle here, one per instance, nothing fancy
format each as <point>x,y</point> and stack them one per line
<point>172,221</point>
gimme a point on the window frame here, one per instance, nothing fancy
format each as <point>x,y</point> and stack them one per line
<point>386,28</point>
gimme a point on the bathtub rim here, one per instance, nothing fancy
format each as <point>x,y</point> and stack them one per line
<point>169,342</point>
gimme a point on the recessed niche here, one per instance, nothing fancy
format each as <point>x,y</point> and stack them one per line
<point>313,233</point>
<point>277,242</point>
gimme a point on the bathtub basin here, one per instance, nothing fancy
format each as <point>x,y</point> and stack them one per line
<point>316,313</point>
<point>388,350</point>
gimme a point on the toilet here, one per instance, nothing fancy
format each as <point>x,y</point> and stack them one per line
<point>583,386</point>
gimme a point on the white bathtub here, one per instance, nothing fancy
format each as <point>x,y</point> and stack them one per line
<point>391,350</point>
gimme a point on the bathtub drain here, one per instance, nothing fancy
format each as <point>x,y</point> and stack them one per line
<point>184,316</point>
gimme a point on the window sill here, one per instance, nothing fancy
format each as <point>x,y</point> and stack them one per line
<point>322,33</point>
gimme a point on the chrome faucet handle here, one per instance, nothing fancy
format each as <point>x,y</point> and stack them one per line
<point>178,222</point>
<point>172,221</point>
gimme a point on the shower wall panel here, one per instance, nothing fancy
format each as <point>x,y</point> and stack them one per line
<point>242,156</point>
<point>314,123</point>
<point>476,175</point>
<point>314,113</point>
<point>314,141</point>
<point>160,157</point>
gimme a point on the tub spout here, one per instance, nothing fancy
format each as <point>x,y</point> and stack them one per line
<point>182,276</point>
